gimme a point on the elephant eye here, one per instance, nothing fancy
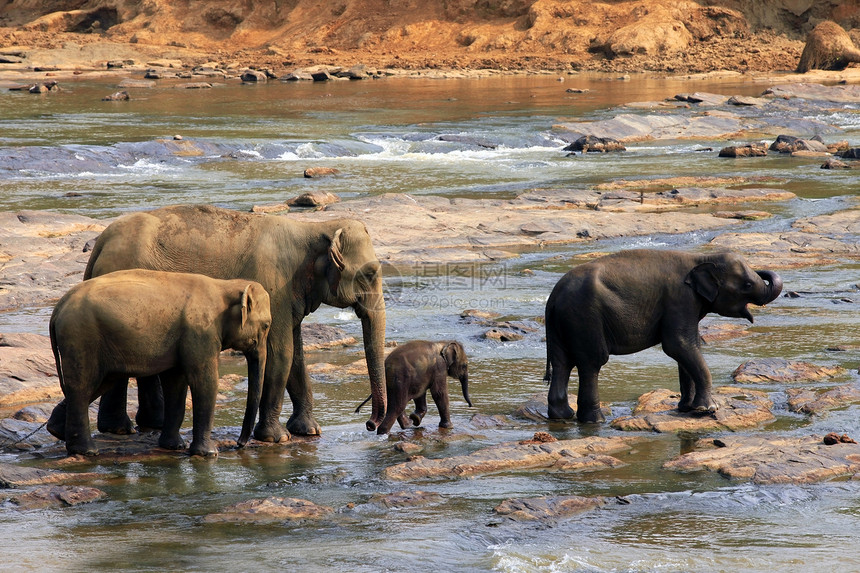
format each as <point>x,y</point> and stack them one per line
<point>748,285</point>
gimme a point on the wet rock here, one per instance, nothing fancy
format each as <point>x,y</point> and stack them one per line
<point>488,421</point>
<point>406,499</point>
<point>270,510</point>
<point>33,414</point>
<point>715,332</point>
<point>780,370</point>
<point>704,98</point>
<point>193,86</point>
<point>833,163</point>
<point>316,173</point>
<point>749,150</point>
<point>253,76</point>
<point>27,370</point>
<point>547,508</point>
<point>23,435</point>
<point>745,101</point>
<point>794,249</point>
<point>578,455</point>
<point>744,215</point>
<point>358,72</point>
<point>473,314</point>
<point>834,438</point>
<point>840,224</point>
<point>595,144</point>
<point>631,127</point>
<point>57,496</point>
<point>843,93</point>
<point>275,208</point>
<point>771,459</point>
<point>535,408</point>
<point>792,144</point>
<point>851,153</point>
<point>12,476</point>
<point>502,335</point>
<point>320,76</point>
<point>470,140</point>
<point>828,47</point>
<point>738,409</point>
<point>814,402</point>
<point>409,448</point>
<point>117,96</point>
<point>314,198</point>
<point>316,336</point>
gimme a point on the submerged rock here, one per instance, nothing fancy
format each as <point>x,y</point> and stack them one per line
<point>270,510</point>
<point>780,370</point>
<point>810,401</point>
<point>406,499</point>
<point>771,459</point>
<point>12,476</point>
<point>535,408</point>
<point>57,496</point>
<point>578,455</point>
<point>547,508</point>
<point>738,409</point>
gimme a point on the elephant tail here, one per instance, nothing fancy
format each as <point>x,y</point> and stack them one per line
<point>94,255</point>
<point>363,403</point>
<point>57,358</point>
<point>547,376</point>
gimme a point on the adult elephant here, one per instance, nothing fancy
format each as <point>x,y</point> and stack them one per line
<point>300,264</point>
<point>629,301</point>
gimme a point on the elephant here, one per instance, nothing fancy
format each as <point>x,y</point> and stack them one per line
<point>415,367</point>
<point>631,300</point>
<point>300,264</point>
<point>142,323</point>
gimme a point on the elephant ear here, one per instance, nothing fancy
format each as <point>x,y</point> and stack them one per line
<point>704,280</point>
<point>449,353</point>
<point>335,255</point>
<point>247,301</point>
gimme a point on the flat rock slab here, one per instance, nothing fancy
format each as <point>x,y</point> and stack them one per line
<point>27,370</point>
<point>270,510</point>
<point>780,370</point>
<point>810,401</point>
<point>14,476</point>
<point>843,93</point>
<point>715,332</point>
<point>547,508</point>
<point>57,496</point>
<point>738,409</point>
<point>578,455</point>
<point>535,408</point>
<point>772,459</point>
<point>631,127</point>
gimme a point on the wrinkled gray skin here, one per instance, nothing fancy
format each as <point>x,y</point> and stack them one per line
<point>413,368</point>
<point>301,265</point>
<point>143,323</point>
<point>632,300</point>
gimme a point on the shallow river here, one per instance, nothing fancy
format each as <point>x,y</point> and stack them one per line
<point>384,137</point>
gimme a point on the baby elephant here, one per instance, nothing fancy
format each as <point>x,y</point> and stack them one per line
<point>414,367</point>
<point>146,323</point>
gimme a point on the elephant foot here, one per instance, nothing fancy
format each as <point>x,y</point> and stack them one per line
<point>303,426</point>
<point>590,416</point>
<point>274,433</point>
<point>147,422</point>
<point>561,412</point>
<point>416,419</point>
<point>56,424</point>
<point>171,442</point>
<point>115,425</point>
<point>86,448</point>
<point>205,449</point>
<point>704,406</point>
<point>446,424</point>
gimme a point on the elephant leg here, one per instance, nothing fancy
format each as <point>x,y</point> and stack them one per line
<point>403,421</point>
<point>278,364</point>
<point>78,437</point>
<point>420,410</point>
<point>113,411</point>
<point>690,359</point>
<point>56,424</point>
<point>394,411</point>
<point>299,387</point>
<point>688,390</point>
<point>150,409</point>
<point>439,392</point>
<point>204,387</point>
<point>588,398</point>
<point>175,389</point>
<point>558,405</point>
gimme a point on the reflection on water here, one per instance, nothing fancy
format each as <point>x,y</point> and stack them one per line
<point>472,138</point>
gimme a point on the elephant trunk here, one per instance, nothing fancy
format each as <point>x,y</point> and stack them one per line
<point>774,286</point>
<point>256,367</point>
<point>464,382</point>
<point>371,310</point>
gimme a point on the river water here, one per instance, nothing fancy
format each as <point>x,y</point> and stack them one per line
<point>71,152</point>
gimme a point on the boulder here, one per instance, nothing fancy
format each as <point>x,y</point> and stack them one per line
<point>502,335</point>
<point>718,331</point>
<point>547,508</point>
<point>656,411</point>
<point>317,172</point>
<point>704,98</point>
<point>792,144</point>
<point>254,76</point>
<point>320,76</point>
<point>814,402</point>
<point>317,336</point>
<point>833,163</point>
<point>313,199</point>
<point>749,150</point>
<point>772,459</point>
<point>828,47</point>
<point>117,96</point>
<point>780,370</point>
<point>577,455</point>
<point>270,510</point>
<point>593,143</point>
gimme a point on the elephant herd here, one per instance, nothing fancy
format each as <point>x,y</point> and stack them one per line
<point>165,291</point>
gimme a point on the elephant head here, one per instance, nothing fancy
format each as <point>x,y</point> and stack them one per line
<point>247,330</point>
<point>458,366</point>
<point>729,285</point>
<point>353,278</point>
